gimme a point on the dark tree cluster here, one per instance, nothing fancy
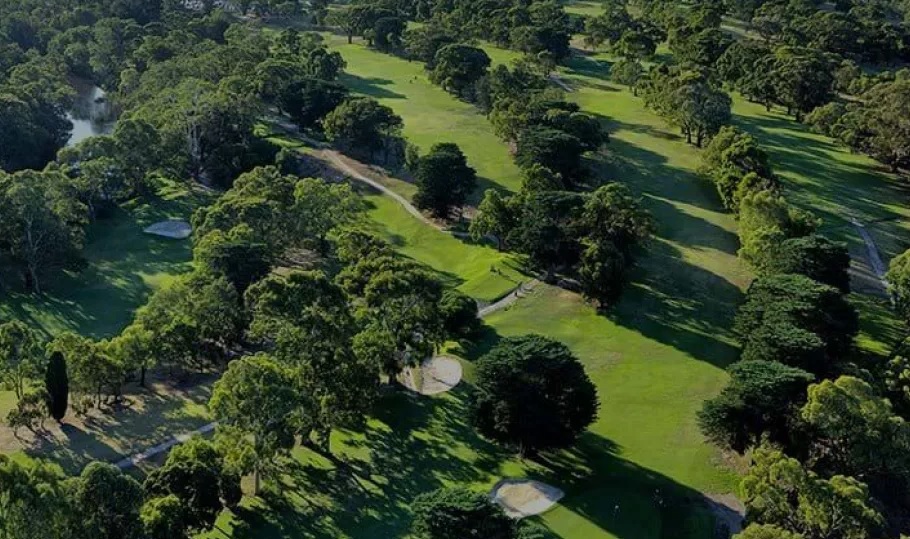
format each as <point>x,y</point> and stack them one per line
<point>687,99</point>
<point>176,501</point>
<point>456,513</point>
<point>615,28</point>
<point>594,236</point>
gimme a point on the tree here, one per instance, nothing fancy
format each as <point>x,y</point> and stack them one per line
<point>700,111</point>
<point>321,207</point>
<point>602,271</point>
<point>34,501</point>
<point>30,411</point>
<point>361,122</point>
<point>898,278</point>
<point>615,224</point>
<point>612,213</point>
<point>816,257</point>
<point>797,321</point>
<point>459,313</point>
<point>457,513</point>
<point>729,158</point>
<point>162,518</point>
<point>400,301</point>
<point>444,180</point>
<point>885,114</point>
<point>57,385</point>
<point>106,502</point>
<point>533,393</point>
<point>778,491</point>
<point>193,474</point>
<point>456,68</point>
<point>607,27</point>
<point>235,254</point>
<point>256,399</point>
<point>802,80</point>
<point>761,398</point>
<point>386,33</point>
<point>422,43</point>
<point>858,433</point>
<point>627,72</point>
<point>21,358</point>
<point>553,149</point>
<point>309,101</point>
<point>766,219</point>
<point>43,222</point>
<point>766,531</point>
<point>495,217</point>
<point>308,322</point>
<point>548,229</point>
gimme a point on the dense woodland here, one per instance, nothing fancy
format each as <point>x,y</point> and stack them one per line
<point>304,350</point>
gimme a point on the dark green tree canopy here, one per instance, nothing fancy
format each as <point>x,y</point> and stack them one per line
<point>533,393</point>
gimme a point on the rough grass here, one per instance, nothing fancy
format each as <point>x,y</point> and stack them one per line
<point>123,266</point>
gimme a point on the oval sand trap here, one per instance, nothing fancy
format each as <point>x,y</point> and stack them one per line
<point>175,228</point>
<point>435,375</point>
<point>520,498</point>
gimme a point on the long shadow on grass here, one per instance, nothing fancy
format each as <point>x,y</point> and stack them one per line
<point>371,86</point>
<point>414,445</point>
<point>833,189</point>
<point>417,445</point>
<point>626,500</point>
<point>681,305</point>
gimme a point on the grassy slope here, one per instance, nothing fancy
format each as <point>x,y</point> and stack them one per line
<point>124,266</point>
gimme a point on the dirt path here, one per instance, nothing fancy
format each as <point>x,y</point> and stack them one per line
<point>341,162</point>
<point>521,291</point>
<point>558,81</point>
<point>133,460</point>
<point>873,256</point>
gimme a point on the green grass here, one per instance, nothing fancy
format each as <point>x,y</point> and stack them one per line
<point>466,265</point>
<point>123,266</point>
<point>430,114</point>
<point>588,8</point>
<point>641,470</point>
<point>837,185</point>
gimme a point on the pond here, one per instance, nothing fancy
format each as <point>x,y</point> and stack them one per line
<point>91,114</point>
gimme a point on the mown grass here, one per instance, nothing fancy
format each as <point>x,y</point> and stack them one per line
<point>641,470</point>
<point>122,267</point>
<point>430,114</point>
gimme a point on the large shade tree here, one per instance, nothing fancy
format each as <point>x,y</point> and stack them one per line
<point>533,394</point>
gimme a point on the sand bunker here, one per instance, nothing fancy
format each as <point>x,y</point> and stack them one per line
<point>176,229</point>
<point>435,375</point>
<point>520,498</point>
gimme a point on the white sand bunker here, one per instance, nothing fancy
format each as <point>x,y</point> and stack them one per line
<point>175,228</point>
<point>520,498</point>
<point>435,375</point>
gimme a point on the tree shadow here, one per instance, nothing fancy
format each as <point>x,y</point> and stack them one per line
<point>371,86</point>
<point>823,181</point>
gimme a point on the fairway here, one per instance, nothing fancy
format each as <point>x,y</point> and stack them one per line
<point>123,266</point>
<point>430,114</point>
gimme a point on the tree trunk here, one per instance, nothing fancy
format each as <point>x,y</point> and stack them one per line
<point>31,280</point>
<point>350,38</point>
<point>257,480</point>
<point>142,376</point>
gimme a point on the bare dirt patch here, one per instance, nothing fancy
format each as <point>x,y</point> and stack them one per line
<point>521,498</point>
<point>435,375</point>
